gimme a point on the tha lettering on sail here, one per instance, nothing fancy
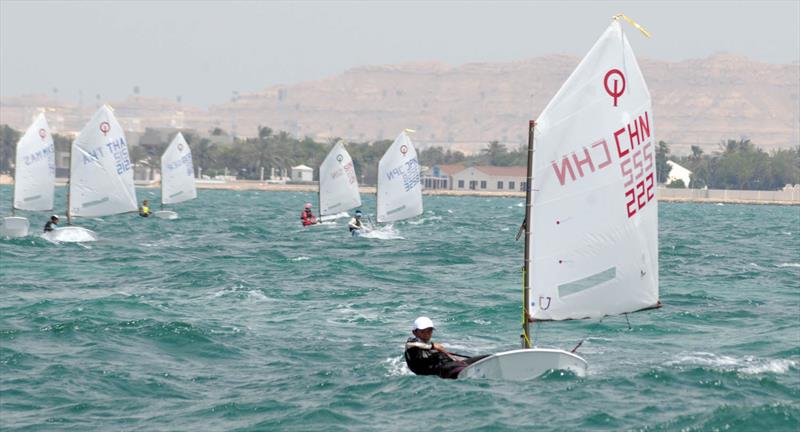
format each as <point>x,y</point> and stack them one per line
<point>118,149</point>
<point>635,150</point>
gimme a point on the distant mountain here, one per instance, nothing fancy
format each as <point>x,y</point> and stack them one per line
<point>696,102</point>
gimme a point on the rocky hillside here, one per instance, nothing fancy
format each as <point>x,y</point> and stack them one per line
<point>696,102</point>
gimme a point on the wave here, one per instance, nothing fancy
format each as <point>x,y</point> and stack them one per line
<point>749,365</point>
<point>396,366</point>
<point>383,233</point>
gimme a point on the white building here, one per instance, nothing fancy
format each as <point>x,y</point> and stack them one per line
<point>302,173</point>
<point>490,178</point>
<point>677,172</point>
<point>440,176</point>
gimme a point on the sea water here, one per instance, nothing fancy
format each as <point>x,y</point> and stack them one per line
<point>234,317</point>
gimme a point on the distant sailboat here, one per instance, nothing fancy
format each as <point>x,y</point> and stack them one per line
<point>34,177</point>
<point>177,176</point>
<point>591,218</point>
<point>100,176</point>
<point>338,184</point>
<point>399,194</point>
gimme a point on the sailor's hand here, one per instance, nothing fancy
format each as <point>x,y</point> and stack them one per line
<point>438,347</point>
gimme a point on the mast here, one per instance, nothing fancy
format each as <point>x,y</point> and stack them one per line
<point>162,179</point>
<point>14,193</point>
<point>69,184</point>
<point>526,277</point>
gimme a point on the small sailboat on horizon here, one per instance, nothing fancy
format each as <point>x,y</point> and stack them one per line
<point>591,213</point>
<point>177,176</point>
<point>100,176</point>
<point>34,177</point>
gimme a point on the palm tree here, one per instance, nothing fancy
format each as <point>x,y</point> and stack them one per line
<point>494,151</point>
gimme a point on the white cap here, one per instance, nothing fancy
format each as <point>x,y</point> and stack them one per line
<point>423,323</point>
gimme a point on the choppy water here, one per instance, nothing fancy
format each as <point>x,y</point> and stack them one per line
<point>233,317</point>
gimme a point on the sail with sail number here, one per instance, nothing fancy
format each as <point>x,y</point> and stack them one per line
<point>101,172</point>
<point>177,172</point>
<point>338,183</point>
<point>594,242</point>
<point>399,189</point>
<point>35,168</point>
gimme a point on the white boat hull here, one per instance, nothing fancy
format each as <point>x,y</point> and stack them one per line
<point>524,364</point>
<point>71,234</point>
<point>15,226</point>
<point>166,214</point>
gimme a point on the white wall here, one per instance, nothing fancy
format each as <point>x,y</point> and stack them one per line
<point>478,176</point>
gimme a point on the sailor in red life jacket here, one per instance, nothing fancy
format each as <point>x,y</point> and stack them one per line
<point>307,217</point>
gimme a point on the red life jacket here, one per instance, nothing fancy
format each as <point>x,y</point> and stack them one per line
<point>308,218</point>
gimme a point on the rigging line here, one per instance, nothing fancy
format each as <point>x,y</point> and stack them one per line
<point>585,337</point>
<point>628,321</point>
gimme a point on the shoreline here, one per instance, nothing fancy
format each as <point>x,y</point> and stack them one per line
<point>663,195</point>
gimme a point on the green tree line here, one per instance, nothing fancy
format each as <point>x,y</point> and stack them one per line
<point>737,164</point>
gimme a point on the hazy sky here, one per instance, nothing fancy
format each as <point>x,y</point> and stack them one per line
<point>204,50</point>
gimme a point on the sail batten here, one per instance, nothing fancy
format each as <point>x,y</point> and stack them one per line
<point>399,189</point>
<point>35,168</point>
<point>177,172</point>
<point>338,182</point>
<point>594,242</point>
<point>101,173</point>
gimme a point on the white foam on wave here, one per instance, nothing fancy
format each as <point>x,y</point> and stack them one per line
<point>423,220</point>
<point>396,366</point>
<point>749,365</point>
<point>301,258</point>
<point>789,265</point>
<point>257,295</point>
<point>383,233</point>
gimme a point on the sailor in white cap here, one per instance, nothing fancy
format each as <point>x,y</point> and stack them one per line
<point>424,357</point>
<point>51,224</point>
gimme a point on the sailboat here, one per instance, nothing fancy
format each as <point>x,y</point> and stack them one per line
<point>399,194</point>
<point>100,176</point>
<point>338,184</point>
<point>177,176</point>
<point>591,214</point>
<point>34,177</point>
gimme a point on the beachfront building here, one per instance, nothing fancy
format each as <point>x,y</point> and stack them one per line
<point>677,172</point>
<point>490,178</point>
<point>439,176</point>
<point>302,173</point>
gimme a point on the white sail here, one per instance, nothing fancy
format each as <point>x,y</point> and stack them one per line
<point>399,187</point>
<point>35,168</point>
<point>101,173</point>
<point>338,183</point>
<point>177,172</point>
<point>594,238</point>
